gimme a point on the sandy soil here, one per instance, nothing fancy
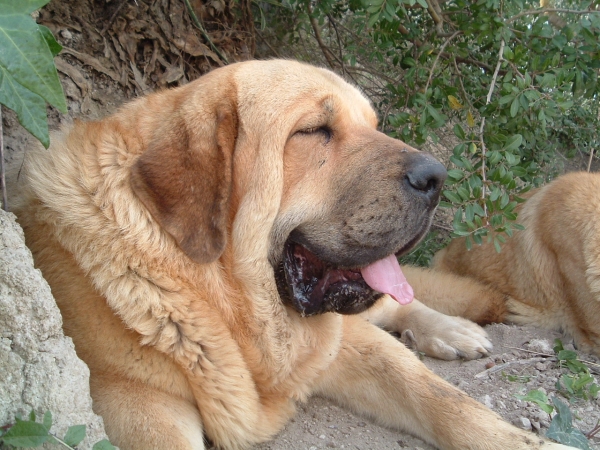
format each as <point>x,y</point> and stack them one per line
<point>320,424</point>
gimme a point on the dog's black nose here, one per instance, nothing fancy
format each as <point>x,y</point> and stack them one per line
<point>425,175</point>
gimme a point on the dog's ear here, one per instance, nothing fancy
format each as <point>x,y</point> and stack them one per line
<point>184,179</point>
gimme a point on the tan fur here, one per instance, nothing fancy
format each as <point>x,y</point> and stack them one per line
<point>157,228</point>
<point>547,275</point>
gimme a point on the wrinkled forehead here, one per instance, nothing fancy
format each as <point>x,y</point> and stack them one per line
<point>357,108</point>
<point>295,88</point>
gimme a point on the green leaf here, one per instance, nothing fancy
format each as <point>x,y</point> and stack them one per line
<point>374,18</point>
<point>75,435</point>
<point>469,213</point>
<point>29,107</point>
<point>47,420</point>
<point>506,99</point>
<point>561,429</point>
<point>26,434</point>
<point>455,174</point>
<point>55,47</point>
<point>20,6</point>
<point>513,142</point>
<point>464,193</point>
<point>452,196</point>
<point>539,398</point>
<point>459,132</point>
<point>514,107</point>
<point>104,444</point>
<point>435,114</point>
<point>26,56</point>
<point>565,355</point>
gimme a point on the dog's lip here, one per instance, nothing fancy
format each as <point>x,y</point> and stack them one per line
<point>313,286</point>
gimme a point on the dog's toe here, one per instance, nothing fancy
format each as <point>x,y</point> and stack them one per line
<point>454,338</point>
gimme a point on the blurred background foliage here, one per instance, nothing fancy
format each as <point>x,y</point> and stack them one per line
<point>505,93</point>
<point>509,87</point>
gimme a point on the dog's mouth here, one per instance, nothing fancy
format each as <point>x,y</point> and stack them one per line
<point>313,286</point>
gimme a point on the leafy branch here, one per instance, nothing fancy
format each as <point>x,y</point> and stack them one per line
<point>30,434</point>
<point>28,77</point>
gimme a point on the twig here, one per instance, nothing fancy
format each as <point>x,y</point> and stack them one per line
<point>337,34</point>
<point>262,38</point>
<point>500,367</point>
<point>487,102</point>
<point>60,441</point>
<point>372,71</point>
<point>437,57</point>
<point>198,24</point>
<point>461,60</point>
<point>385,115</point>
<point>462,86</point>
<point>589,165</point>
<point>2,172</point>
<point>315,26</point>
<point>434,10</point>
<point>590,434</point>
<point>113,17</point>
<point>546,354</point>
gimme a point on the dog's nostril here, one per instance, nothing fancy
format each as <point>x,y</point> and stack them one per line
<point>425,174</point>
<point>422,180</point>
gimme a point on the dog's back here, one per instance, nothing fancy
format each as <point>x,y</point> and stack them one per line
<point>551,270</point>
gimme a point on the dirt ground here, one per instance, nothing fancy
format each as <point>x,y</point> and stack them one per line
<point>320,424</point>
<point>96,85</point>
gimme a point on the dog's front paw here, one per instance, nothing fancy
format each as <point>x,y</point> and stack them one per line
<point>445,337</point>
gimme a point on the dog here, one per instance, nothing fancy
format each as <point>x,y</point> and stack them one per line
<point>547,275</point>
<point>211,248</point>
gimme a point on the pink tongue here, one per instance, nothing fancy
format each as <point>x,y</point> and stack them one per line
<point>386,276</point>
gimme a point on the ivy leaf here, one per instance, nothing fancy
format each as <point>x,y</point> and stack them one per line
<point>26,433</point>
<point>55,47</point>
<point>561,429</point>
<point>104,444</point>
<point>47,420</point>
<point>25,52</point>
<point>75,435</point>
<point>28,77</point>
<point>539,398</point>
<point>29,107</point>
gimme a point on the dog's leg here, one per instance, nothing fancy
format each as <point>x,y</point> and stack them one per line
<point>377,376</point>
<point>457,296</point>
<point>429,331</point>
<point>138,417</point>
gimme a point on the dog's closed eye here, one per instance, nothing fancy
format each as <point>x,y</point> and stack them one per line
<point>324,130</point>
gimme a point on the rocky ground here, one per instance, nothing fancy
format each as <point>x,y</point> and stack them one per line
<point>519,354</point>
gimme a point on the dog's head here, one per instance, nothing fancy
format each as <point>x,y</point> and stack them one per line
<point>282,161</point>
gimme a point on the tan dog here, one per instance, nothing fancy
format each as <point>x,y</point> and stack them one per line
<point>202,242</point>
<point>547,275</point>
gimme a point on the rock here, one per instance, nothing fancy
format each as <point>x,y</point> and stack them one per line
<point>487,401</point>
<point>39,367</point>
<point>540,346</point>
<point>523,422</point>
